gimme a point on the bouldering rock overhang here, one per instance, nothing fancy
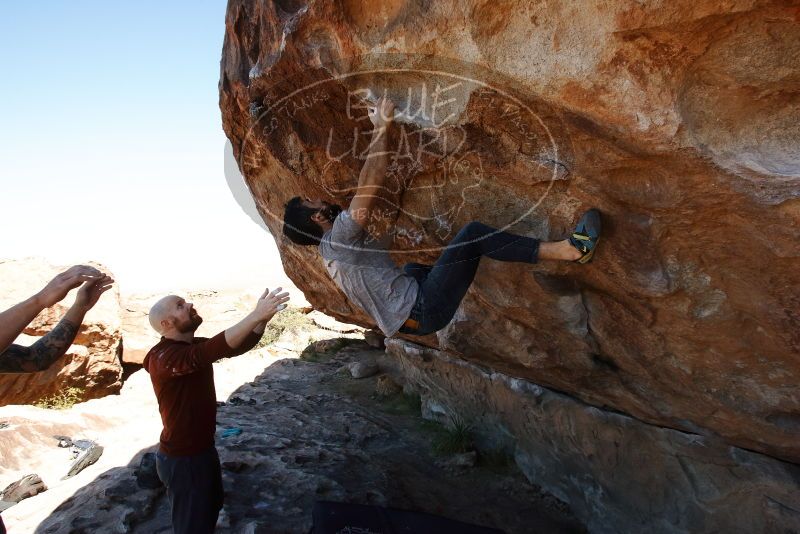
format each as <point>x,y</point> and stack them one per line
<point>679,123</point>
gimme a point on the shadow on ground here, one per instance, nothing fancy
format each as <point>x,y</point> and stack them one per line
<point>309,431</point>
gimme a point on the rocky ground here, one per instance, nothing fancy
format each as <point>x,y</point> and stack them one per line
<point>309,431</point>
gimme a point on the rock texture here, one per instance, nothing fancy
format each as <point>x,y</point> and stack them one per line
<point>308,433</point>
<point>617,473</point>
<point>92,363</point>
<point>679,120</point>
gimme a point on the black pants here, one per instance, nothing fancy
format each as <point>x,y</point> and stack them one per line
<point>194,488</point>
<point>443,286</point>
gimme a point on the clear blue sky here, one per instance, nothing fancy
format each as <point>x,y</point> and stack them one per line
<point>111,147</point>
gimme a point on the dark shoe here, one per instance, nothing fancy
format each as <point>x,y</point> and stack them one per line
<point>586,235</point>
<point>146,473</point>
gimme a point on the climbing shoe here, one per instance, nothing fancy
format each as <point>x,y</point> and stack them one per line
<point>586,235</point>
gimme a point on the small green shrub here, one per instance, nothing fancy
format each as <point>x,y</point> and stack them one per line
<point>288,319</point>
<point>455,439</point>
<point>319,350</point>
<point>63,399</point>
<point>310,355</point>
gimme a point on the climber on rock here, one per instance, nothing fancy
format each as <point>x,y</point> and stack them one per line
<point>416,299</point>
<point>54,344</point>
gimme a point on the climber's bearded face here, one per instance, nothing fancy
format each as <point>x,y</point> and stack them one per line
<point>327,210</point>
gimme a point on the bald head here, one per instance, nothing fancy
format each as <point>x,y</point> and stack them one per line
<point>174,318</point>
<point>162,311</point>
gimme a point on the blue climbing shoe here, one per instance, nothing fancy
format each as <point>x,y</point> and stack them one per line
<point>586,235</point>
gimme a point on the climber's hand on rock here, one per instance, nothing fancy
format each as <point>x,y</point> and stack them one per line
<point>383,113</point>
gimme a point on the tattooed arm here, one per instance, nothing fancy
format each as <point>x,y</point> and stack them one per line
<point>43,353</point>
<point>53,345</point>
<point>15,319</point>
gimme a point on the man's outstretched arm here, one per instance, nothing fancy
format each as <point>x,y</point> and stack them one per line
<point>270,303</point>
<point>184,359</point>
<point>43,353</point>
<point>14,320</point>
<point>372,180</point>
<point>53,345</point>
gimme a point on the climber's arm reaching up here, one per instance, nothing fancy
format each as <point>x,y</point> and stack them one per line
<point>372,180</point>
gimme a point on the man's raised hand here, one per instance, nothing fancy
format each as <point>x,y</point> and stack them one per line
<point>270,303</point>
<point>90,292</point>
<point>59,286</point>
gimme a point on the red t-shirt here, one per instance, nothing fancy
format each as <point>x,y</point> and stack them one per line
<point>183,380</point>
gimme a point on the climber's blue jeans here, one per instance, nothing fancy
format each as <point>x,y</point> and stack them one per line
<point>443,286</point>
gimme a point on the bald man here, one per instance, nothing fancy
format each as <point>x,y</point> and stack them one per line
<point>183,379</point>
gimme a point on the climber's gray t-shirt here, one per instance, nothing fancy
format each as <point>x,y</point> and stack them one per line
<point>361,267</point>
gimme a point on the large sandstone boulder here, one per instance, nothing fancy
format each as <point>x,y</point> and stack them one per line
<point>92,364</point>
<point>680,121</point>
<point>617,473</point>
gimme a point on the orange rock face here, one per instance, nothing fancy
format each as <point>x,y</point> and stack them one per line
<point>680,121</point>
